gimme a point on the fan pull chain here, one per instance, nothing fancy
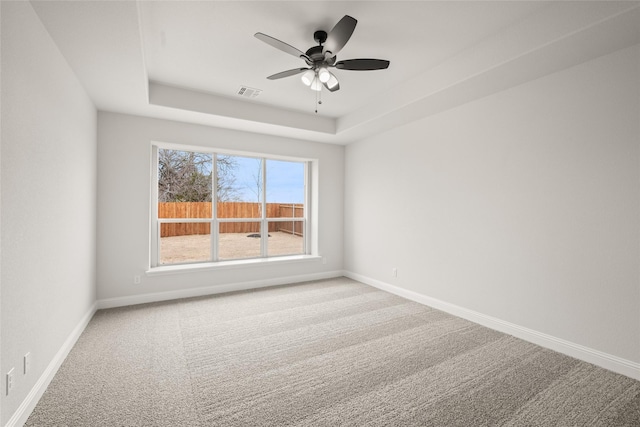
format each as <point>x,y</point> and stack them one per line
<point>318,99</point>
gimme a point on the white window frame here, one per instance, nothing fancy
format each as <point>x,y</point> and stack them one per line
<point>309,227</point>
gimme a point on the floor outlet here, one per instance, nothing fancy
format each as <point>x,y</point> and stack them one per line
<point>27,363</point>
<point>9,381</point>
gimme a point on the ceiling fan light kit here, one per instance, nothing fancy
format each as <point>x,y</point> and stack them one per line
<point>316,84</point>
<point>323,74</point>
<point>307,78</point>
<point>322,57</point>
<point>332,84</point>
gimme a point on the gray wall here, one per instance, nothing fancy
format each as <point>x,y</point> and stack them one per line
<point>48,212</point>
<point>124,151</point>
<point>523,205</point>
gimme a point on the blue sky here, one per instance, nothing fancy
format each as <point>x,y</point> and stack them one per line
<point>285,180</point>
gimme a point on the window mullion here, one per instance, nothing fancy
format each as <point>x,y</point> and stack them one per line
<point>306,209</point>
<point>215,228</point>
<point>264,237</point>
<point>154,258</point>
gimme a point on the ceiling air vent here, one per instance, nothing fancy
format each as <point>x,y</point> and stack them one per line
<point>248,92</point>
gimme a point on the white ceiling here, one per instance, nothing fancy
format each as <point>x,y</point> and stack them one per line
<point>186,60</point>
<point>223,54</point>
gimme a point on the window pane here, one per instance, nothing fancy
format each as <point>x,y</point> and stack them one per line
<point>184,209</point>
<point>285,189</point>
<point>286,238</point>
<point>239,187</point>
<point>239,240</point>
<point>239,210</point>
<point>285,210</point>
<point>184,184</point>
<point>185,242</point>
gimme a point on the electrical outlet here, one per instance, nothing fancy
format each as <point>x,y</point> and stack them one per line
<point>324,259</point>
<point>394,272</point>
<point>27,363</point>
<point>136,279</point>
<point>9,381</point>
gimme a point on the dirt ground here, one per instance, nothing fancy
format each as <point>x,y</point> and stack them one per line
<point>179,249</point>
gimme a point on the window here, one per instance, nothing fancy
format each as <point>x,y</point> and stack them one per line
<point>212,207</point>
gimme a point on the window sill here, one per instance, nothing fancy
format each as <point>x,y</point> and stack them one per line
<point>226,265</point>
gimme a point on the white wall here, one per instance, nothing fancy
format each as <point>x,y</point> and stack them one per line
<point>48,207</point>
<point>523,205</point>
<point>124,146</point>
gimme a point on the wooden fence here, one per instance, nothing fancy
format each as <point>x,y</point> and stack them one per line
<point>289,211</point>
<point>228,210</point>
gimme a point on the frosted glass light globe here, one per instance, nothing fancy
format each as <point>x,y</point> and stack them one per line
<point>324,75</point>
<point>316,84</point>
<point>307,77</point>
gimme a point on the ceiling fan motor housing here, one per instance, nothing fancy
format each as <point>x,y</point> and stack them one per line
<point>316,55</point>
<point>315,52</point>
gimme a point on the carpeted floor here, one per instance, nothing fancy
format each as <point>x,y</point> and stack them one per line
<point>326,353</point>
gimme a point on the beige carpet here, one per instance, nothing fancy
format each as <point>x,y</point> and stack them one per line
<point>326,353</point>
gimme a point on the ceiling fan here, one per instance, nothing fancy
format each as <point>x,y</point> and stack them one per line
<point>322,57</point>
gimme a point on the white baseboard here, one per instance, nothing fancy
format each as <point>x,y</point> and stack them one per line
<point>210,290</point>
<point>596,357</point>
<point>29,403</point>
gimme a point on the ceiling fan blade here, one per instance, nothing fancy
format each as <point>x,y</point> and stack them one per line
<point>362,64</point>
<point>287,73</point>
<point>282,46</point>
<point>332,84</point>
<point>340,34</point>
